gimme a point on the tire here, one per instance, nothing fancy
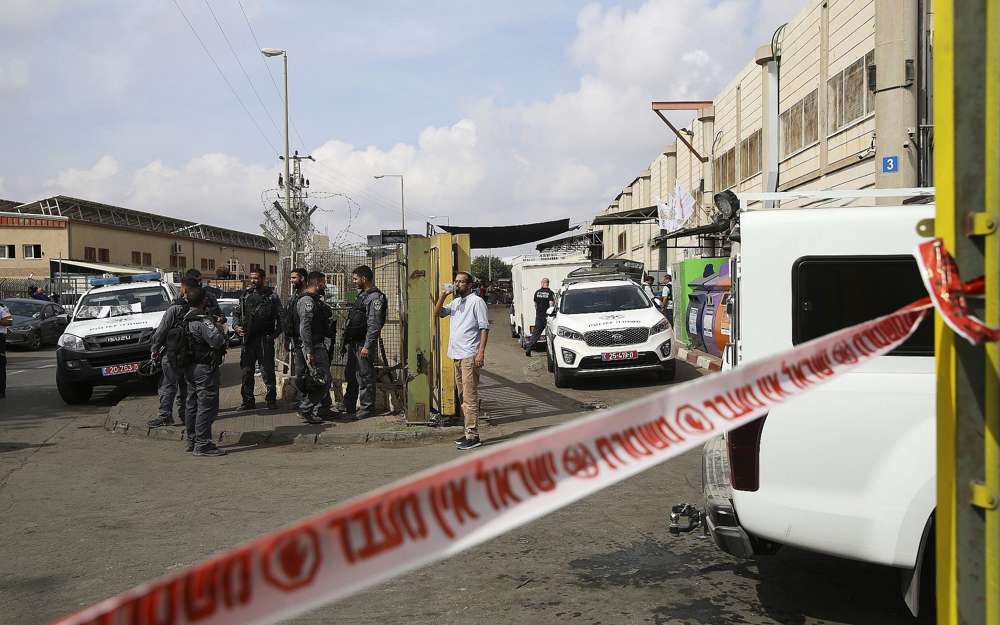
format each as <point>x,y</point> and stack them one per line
<point>73,392</point>
<point>513,332</point>
<point>549,363</point>
<point>563,377</point>
<point>35,342</point>
<point>668,372</point>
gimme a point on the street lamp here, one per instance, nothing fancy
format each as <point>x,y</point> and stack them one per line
<point>402,198</point>
<point>448,217</point>
<point>288,187</point>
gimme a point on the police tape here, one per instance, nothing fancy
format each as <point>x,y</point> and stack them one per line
<point>452,507</point>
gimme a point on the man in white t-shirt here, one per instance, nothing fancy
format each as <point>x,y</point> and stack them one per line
<point>6,320</point>
<point>470,327</point>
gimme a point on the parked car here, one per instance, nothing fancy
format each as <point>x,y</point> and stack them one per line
<point>109,335</point>
<point>848,468</point>
<point>36,322</point>
<point>229,306</point>
<point>603,324</point>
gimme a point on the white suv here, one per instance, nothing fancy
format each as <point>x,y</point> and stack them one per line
<point>606,325</point>
<point>109,334</point>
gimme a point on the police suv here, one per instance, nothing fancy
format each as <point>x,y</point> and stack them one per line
<point>604,324</point>
<point>109,333</point>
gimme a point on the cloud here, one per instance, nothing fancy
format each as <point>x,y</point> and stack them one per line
<point>13,75</point>
<point>563,155</point>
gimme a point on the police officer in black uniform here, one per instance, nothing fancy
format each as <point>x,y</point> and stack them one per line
<point>313,358</point>
<point>258,321</point>
<point>164,350</point>
<point>544,297</point>
<point>201,354</point>
<point>364,326</point>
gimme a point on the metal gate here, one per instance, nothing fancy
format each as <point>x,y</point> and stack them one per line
<point>388,264</point>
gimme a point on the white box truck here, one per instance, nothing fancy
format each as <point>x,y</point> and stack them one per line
<point>527,273</point>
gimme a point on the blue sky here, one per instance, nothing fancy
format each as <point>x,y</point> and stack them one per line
<point>496,112</point>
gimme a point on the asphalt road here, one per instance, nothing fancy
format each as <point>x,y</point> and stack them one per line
<point>86,513</point>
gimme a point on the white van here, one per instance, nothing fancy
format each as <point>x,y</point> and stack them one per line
<point>526,278</point>
<point>847,469</point>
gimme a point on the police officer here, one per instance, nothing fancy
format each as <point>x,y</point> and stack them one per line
<point>164,350</point>
<point>364,325</point>
<point>544,297</point>
<point>258,320</point>
<point>211,304</point>
<point>297,281</point>
<point>314,327</point>
<point>201,354</point>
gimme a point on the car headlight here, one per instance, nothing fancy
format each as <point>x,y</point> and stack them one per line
<point>73,342</point>
<point>660,326</point>
<point>566,333</point>
<point>22,329</point>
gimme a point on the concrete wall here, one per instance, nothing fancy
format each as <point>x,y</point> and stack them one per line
<point>19,230</point>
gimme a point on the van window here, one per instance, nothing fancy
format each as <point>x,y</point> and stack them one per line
<point>834,292</point>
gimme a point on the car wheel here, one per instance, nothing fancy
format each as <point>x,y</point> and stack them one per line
<point>73,392</point>
<point>34,341</point>
<point>563,377</point>
<point>513,332</point>
<point>668,372</point>
<point>549,363</point>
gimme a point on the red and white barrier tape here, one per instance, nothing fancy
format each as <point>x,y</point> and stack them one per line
<point>446,509</point>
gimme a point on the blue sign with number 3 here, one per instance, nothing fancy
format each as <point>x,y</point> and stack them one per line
<point>890,164</point>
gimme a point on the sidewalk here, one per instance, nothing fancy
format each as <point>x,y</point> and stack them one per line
<point>261,426</point>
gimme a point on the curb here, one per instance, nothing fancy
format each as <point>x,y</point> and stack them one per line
<point>699,359</point>
<point>176,434</point>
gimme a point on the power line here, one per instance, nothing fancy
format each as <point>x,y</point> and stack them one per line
<point>223,75</point>
<point>240,63</point>
<point>302,143</point>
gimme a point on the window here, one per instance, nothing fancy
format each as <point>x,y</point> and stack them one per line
<point>800,124</point>
<point>147,259</point>
<point>178,262</point>
<point>724,169</point>
<point>834,292</point>
<point>100,304</point>
<point>7,251</point>
<point>32,250</point>
<point>104,254</point>
<point>847,95</point>
<point>90,253</point>
<point>136,258</point>
<point>750,155</point>
<point>622,240</point>
<point>272,269</point>
<point>602,299</point>
<point>204,264</point>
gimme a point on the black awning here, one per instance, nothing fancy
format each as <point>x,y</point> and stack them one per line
<point>633,216</point>
<point>507,236</point>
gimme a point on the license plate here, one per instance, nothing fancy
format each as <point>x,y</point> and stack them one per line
<point>130,367</point>
<point>613,356</point>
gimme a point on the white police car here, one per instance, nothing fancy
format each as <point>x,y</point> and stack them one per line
<point>604,324</point>
<point>109,333</point>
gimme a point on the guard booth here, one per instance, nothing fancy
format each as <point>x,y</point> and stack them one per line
<point>432,261</point>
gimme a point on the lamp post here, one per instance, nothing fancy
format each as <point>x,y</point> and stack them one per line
<point>402,197</point>
<point>288,187</point>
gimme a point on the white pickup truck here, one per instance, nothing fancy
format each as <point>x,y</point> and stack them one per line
<point>847,469</point>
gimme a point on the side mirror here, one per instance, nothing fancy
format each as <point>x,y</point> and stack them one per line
<point>551,311</point>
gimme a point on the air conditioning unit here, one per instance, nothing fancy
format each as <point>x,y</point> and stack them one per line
<point>177,248</point>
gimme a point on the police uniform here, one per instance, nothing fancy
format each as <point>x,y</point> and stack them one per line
<point>172,383</point>
<point>364,325</point>
<point>260,317</point>
<point>544,297</point>
<point>207,344</point>
<point>313,317</point>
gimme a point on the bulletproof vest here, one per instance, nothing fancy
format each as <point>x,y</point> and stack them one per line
<point>357,318</point>
<point>258,316</point>
<point>291,328</point>
<point>321,321</point>
<point>197,351</point>
<point>173,336</point>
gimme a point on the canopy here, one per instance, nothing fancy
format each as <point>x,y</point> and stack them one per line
<point>507,236</point>
<point>633,216</point>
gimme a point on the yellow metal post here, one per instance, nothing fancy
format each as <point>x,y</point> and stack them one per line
<point>446,374</point>
<point>967,177</point>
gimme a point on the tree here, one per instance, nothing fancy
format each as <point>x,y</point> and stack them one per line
<point>481,268</point>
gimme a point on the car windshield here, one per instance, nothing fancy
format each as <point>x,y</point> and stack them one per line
<point>98,304</point>
<point>228,308</point>
<point>23,309</point>
<point>602,299</point>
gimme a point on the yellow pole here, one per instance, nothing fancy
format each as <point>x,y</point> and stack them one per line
<point>446,272</point>
<point>944,227</point>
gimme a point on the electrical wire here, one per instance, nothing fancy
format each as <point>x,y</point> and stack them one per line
<point>274,82</point>
<point>240,63</point>
<point>226,80</point>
